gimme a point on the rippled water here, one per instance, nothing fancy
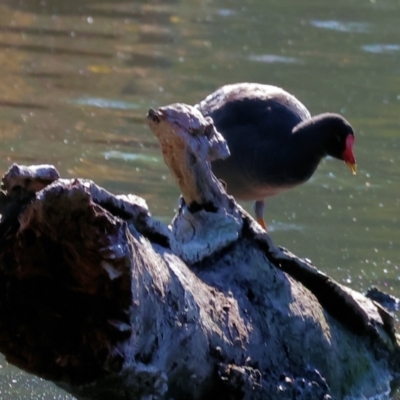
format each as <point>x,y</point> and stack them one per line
<point>77,78</point>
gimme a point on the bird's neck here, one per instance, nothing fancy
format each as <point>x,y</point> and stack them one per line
<point>309,139</point>
<point>307,149</point>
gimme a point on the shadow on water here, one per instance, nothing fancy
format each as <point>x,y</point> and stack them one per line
<point>93,8</point>
<point>11,104</point>
<point>76,34</point>
<point>44,75</point>
<point>54,50</point>
<point>148,60</point>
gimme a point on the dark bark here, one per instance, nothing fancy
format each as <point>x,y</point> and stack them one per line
<point>108,303</point>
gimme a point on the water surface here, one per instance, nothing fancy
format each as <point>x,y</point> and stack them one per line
<point>77,79</point>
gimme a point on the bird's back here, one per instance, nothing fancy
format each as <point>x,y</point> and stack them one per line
<point>251,93</point>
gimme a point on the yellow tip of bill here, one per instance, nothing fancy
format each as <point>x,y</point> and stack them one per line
<point>353,168</point>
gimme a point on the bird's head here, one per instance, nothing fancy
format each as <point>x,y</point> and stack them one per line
<point>339,137</point>
<point>341,141</point>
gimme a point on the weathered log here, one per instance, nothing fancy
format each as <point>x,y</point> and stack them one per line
<point>108,303</point>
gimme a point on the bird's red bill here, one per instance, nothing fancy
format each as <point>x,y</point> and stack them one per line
<point>348,155</point>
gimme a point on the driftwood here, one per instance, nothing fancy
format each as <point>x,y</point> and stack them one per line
<point>108,303</point>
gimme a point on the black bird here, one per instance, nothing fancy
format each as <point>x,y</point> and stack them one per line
<point>274,142</point>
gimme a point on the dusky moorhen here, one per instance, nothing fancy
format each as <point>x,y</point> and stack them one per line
<point>274,142</point>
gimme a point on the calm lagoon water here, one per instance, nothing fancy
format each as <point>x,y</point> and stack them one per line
<point>78,77</point>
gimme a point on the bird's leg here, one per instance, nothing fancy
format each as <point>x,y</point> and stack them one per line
<point>259,212</point>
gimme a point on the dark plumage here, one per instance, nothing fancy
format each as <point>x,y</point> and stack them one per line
<point>274,142</point>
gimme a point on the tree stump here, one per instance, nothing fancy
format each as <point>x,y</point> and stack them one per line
<point>107,302</point>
